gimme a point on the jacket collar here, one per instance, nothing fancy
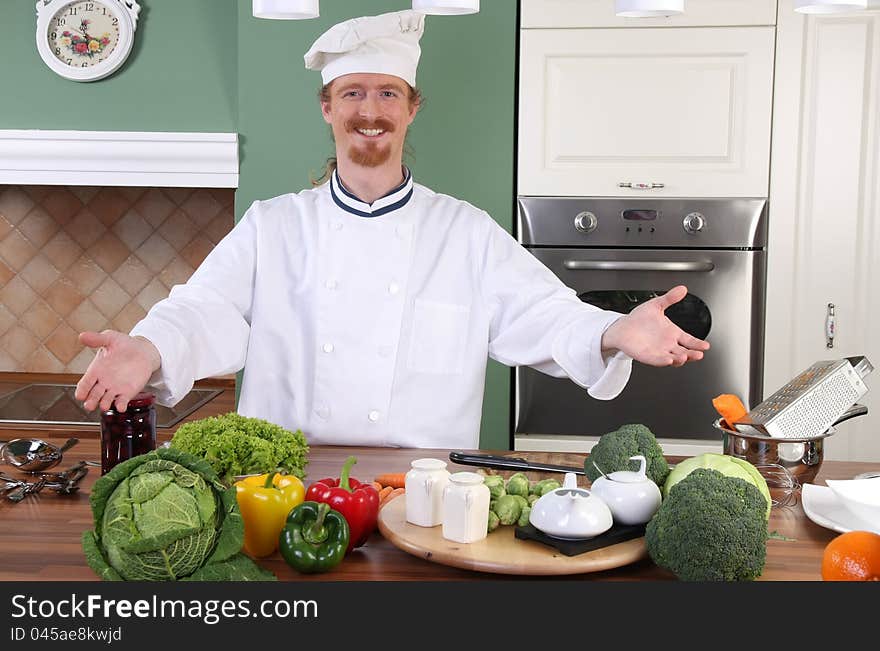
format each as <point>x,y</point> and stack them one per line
<point>392,201</point>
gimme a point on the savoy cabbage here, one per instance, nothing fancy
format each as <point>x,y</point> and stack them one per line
<point>165,516</point>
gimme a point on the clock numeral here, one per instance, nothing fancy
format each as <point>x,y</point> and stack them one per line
<point>84,64</point>
<point>54,35</point>
<point>115,21</point>
<point>104,10</point>
<point>69,61</point>
<point>61,21</point>
<point>57,51</point>
<point>72,11</point>
<point>90,6</point>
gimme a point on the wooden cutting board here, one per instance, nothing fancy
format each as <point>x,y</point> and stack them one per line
<point>499,552</point>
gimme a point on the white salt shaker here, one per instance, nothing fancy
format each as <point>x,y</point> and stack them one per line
<point>425,482</point>
<point>465,508</point>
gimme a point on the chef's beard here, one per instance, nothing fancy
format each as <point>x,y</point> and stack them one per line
<point>370,155</point>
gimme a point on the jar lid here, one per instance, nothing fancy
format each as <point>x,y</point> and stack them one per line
<point>466,478</point>
<point>428,464</point>
<point>142,400</point>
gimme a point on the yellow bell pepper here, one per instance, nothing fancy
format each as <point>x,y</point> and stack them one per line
<point>264,502</point>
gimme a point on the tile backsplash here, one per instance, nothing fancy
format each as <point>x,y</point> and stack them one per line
<point>75,258</point>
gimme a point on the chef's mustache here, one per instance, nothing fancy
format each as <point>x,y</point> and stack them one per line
<point>378,123</point>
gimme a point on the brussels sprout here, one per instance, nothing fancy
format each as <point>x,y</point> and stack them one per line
<point>533,498</point>
<point>492,504</point>
<point>524,516</point>
<point>496,486</point>
<point>518,484</point>
<point>545,486</point>
<point>523,502</point>
<point>508,509</point>
<point>494,521</point>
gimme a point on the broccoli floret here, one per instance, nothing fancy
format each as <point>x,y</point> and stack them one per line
<point>614,449</point>
<point>711,527</point>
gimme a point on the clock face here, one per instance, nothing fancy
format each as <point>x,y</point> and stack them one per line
<point>83,34</point>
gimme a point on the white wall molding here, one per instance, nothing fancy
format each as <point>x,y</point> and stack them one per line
<point>126,158</point>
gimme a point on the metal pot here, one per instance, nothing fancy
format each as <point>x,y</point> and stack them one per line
<point>801,457</point>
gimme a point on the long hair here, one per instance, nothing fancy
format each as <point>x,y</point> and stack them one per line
<point>415,99</point>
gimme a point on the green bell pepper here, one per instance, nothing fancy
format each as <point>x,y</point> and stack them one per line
<point>314,538</point>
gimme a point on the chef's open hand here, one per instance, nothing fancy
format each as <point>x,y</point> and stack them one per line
<point>648,336</point>
<point>121,368</point>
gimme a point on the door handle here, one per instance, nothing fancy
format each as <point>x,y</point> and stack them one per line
<point>617,265</point>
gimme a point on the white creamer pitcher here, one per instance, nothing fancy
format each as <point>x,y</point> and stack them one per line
<point>465,508</point>
<point>425,482</point>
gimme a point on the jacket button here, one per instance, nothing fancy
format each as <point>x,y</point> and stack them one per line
<point>393,288</point>
<point>323,411</point>
<point>328,348</point>
<point>373,416</point>
<point>330,284</point>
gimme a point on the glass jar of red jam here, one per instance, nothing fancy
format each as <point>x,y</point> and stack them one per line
<point>129,433</point>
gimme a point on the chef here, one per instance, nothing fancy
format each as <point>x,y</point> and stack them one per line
<point>363,310</point>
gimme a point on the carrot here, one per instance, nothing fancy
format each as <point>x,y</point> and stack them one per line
<point>383,493</point>
<point>393,479</point>
<point>730,408</point>
<point>376,485</point>
<point>394,493</point>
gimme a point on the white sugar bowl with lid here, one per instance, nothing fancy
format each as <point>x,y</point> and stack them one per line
<point>424,483</point>
<point>570,512</point>
<point>632,497</point>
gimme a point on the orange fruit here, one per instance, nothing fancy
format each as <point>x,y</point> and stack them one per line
<point>852,556</point>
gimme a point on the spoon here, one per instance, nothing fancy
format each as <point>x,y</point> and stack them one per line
<point>34,455</point>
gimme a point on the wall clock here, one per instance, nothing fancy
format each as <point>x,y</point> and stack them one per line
<point>85,40</point>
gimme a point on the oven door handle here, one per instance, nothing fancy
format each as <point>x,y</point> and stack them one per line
<point>619,265</point>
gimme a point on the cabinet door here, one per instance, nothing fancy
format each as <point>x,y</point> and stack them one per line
<point>601,13</point>
<point>688,108</point>
<point>824,237</point>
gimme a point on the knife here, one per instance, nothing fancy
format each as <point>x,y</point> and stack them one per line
<point>509,463</point>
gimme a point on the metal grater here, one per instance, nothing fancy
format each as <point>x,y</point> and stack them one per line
<point>810,403</point>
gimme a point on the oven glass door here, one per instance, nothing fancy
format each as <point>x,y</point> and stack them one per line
<point>725,305</point>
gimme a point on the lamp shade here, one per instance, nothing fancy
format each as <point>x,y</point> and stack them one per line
<point>446,7</point>
<point>829,6</point>
<point>286,9</point>
<point>648,8</point>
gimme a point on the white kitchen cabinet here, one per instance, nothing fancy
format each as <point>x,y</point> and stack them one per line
<point>600,13</point>
<point>824,243</point>
<point>688,108</point>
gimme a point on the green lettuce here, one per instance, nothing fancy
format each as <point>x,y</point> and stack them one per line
<point>165,516</point>
<point>240,445</point>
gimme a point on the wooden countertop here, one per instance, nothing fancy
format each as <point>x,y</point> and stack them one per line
<point>40,536</point>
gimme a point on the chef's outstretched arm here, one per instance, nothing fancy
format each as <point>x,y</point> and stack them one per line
<point>201,330</point>
<point>120,370</point>
<point>648,336</point>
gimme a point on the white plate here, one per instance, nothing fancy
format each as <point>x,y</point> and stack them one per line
<point>822,507</point>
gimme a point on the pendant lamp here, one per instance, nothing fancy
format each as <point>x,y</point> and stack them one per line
<point>446,7</point>
<point>829,6</point>
<point>648,8</point>
<point>286,9</point>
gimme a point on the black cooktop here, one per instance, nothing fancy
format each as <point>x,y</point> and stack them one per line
<point>54,404</point>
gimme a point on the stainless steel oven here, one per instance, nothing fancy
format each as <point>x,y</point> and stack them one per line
<point>617,253</point>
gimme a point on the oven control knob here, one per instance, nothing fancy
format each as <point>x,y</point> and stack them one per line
<point>586,222</point>
<point>694,222</point>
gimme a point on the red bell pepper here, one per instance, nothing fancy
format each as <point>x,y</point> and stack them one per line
<point>357,502</point>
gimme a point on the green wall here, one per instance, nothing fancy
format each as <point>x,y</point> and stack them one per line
<point>209,65</point>
<point>180,75</point>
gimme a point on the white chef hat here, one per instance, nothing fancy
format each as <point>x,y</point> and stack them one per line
<point>388,44</point>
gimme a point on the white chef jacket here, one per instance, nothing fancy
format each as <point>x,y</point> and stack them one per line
<point>371,324</point>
